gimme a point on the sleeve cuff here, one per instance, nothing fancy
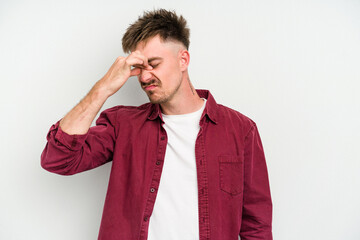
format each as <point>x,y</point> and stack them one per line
<point>73,142</point>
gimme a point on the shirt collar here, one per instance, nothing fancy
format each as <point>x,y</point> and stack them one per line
<point>210,110</point>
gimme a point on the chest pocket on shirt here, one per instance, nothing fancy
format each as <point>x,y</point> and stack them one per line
<point>231,174</point>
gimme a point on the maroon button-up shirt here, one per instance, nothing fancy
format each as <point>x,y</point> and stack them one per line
<point>233,187</point>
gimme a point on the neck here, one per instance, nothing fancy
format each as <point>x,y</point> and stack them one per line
<point>185,101</point>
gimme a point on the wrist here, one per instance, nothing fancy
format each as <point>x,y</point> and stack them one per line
<point>101,91</point>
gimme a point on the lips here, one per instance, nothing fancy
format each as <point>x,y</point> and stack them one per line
<point>150,87</point>
<point>150,84</point>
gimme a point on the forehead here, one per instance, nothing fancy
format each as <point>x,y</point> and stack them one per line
<point>155,46</point>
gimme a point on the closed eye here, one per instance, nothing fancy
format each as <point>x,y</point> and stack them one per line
<point>155,61</point>
<point>154,65</point>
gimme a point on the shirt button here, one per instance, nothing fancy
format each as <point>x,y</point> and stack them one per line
<point>158,162</point>
<point>152,190</point>
<point>162,137</point>
<point>146,218</point>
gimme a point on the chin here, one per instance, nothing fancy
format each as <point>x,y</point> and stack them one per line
<point>152,98</point>
<point>157,100</point>
<point>158,97</point>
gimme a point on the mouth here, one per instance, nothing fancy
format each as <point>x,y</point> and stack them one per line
<point>149,87</point>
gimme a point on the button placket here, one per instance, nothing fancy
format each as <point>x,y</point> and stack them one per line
<point>154,181</point>
<point>204,226</point>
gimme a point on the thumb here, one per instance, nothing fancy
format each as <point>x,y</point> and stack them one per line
<point>135,72</point>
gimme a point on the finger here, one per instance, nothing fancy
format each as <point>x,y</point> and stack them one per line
<point>135,72</point>
<point>138,66</point>
<point>135,62</point>
<point>139,55</point>
<point>148,67</point>
<point>142,67</point>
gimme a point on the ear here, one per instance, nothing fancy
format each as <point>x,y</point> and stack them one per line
<point>184,58</point>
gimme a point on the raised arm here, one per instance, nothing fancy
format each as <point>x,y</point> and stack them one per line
<point>79,119</point>
<point>72,146</point>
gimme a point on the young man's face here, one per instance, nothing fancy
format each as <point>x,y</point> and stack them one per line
<point>163,82</point>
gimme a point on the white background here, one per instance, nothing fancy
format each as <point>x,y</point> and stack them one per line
<point>291,66</point>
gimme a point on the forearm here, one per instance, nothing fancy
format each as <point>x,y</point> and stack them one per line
<point>79,119</point>
<point>69,154</point>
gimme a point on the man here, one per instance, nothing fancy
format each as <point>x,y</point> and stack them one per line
<point>184,167</point>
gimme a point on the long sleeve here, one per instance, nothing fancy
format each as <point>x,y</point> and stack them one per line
<point>257,204</point>
<point>69,154</point>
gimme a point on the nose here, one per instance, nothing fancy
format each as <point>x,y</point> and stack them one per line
<point>145,75</point>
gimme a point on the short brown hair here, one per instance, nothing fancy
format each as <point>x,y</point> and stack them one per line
<point>165,23</point>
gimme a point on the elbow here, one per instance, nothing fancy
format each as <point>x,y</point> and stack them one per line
<point>44,163</point>
<point>54,164</point>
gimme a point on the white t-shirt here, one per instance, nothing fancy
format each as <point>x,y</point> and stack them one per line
<point>175,214</point>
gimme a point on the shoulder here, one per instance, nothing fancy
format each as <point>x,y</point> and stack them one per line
<point>231,116</point>
<point>228,112</point>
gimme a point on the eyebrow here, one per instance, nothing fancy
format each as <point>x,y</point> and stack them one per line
<point>154,58</point>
